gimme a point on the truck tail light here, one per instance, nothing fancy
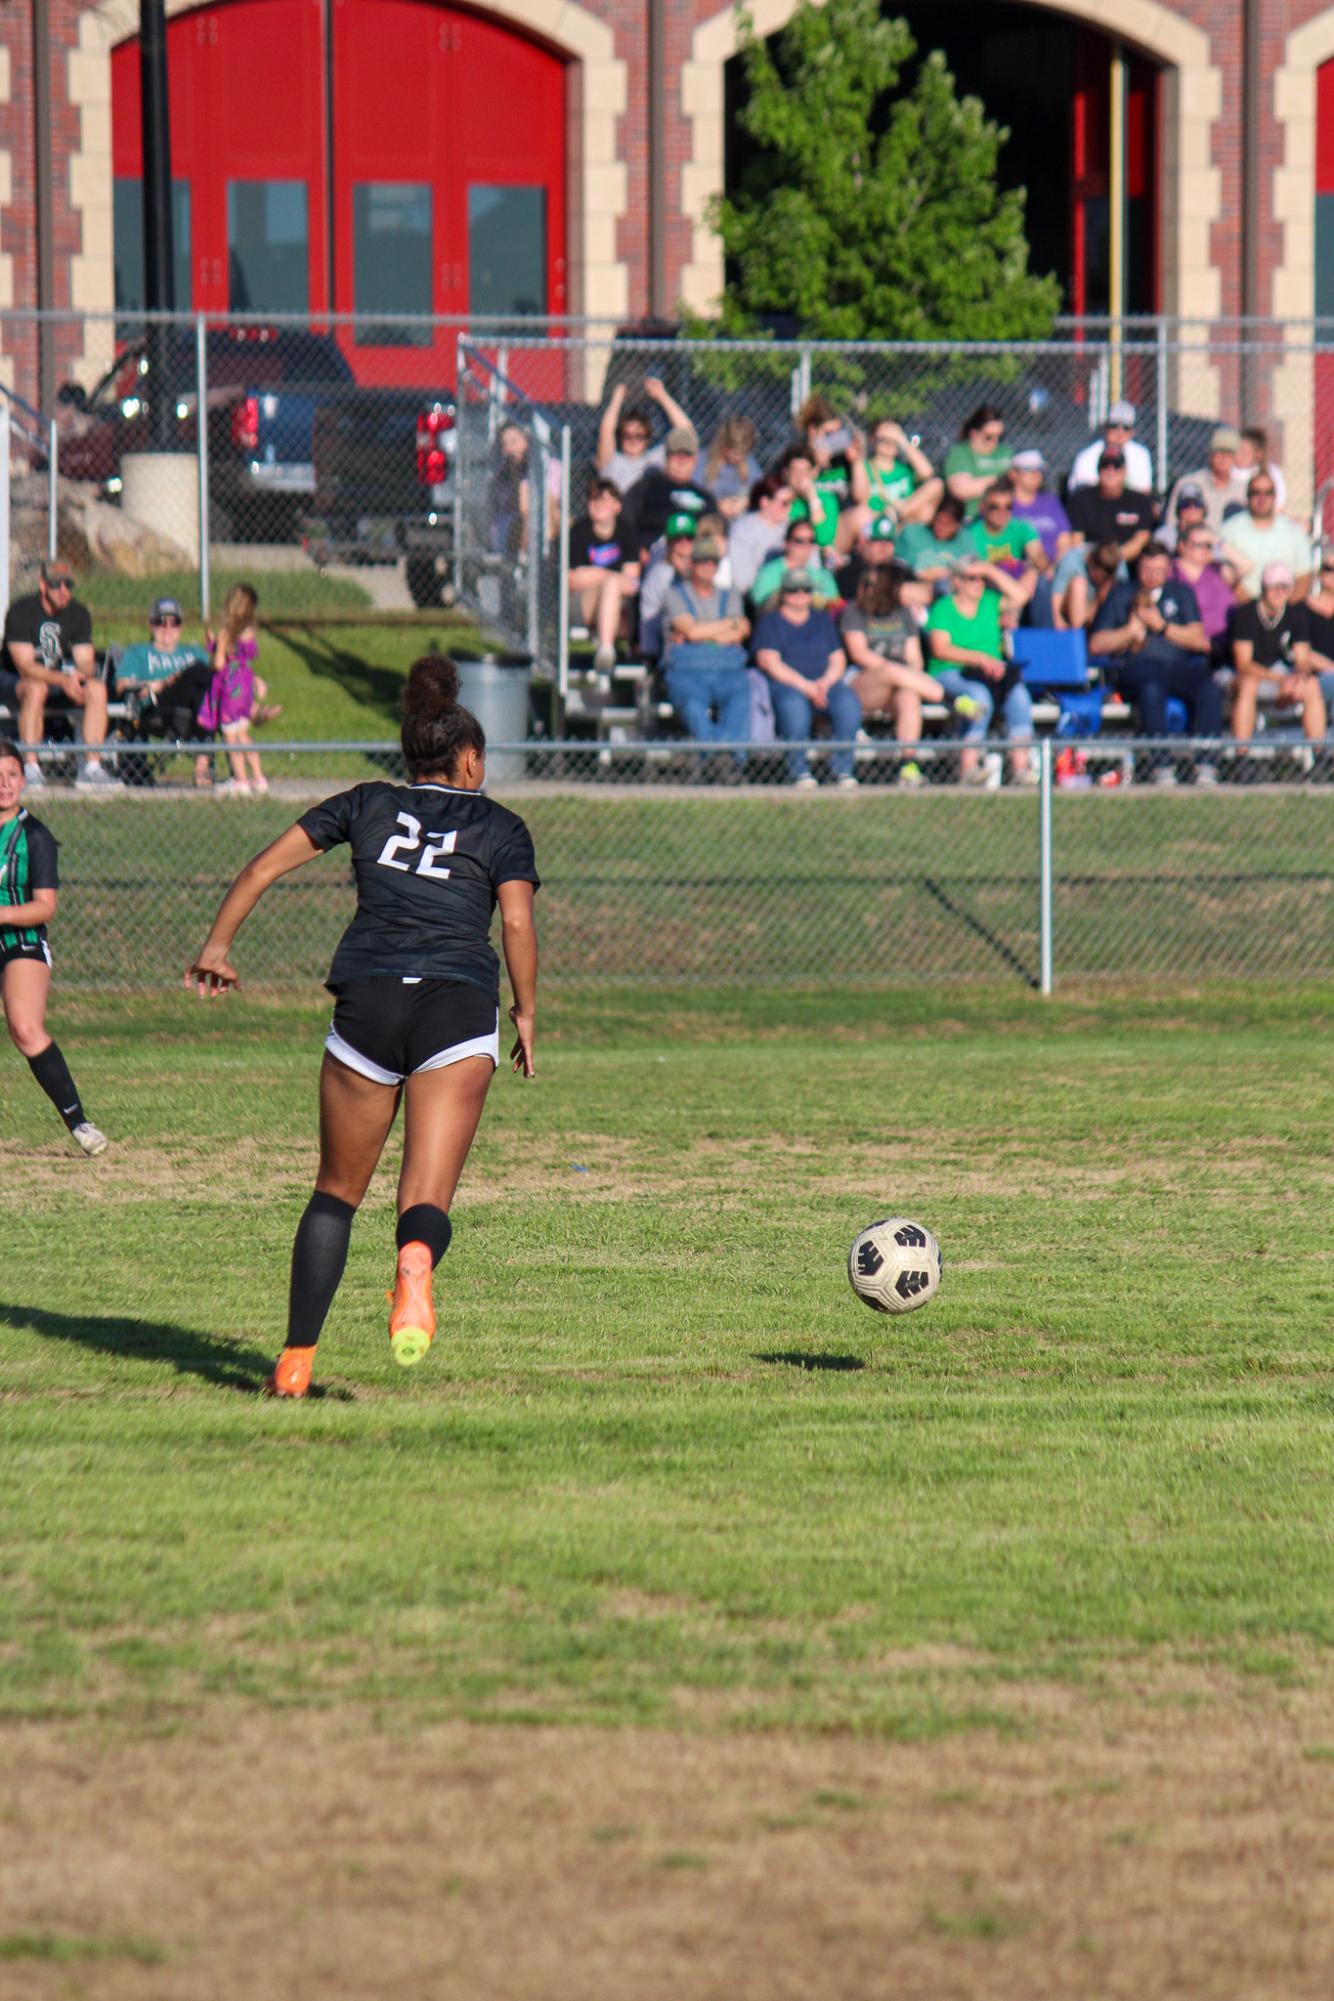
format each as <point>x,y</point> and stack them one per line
<point>432,462</point>
<point>245,424</point>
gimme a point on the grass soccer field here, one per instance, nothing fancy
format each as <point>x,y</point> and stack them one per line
<point>680,1628</point>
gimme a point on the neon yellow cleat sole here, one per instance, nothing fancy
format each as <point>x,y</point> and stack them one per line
<point>409,1345</point>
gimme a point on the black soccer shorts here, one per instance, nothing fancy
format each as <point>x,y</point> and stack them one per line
<point>40,952</point>
<point>389,1028</point>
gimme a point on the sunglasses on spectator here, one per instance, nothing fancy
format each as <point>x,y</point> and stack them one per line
<point>1327,569</point>
<point>60,583</point>
<point>166,621</point>
<point>1261,490</point>
<point>633,433</point>
<point>998,500</point>
<point>796,590</point>
<point>1111,459</point>
<point>802,541</point>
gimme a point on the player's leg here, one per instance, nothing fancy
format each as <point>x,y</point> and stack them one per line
<point>356,1114</point>
<point>443,1108</point>
<point>24,986</point>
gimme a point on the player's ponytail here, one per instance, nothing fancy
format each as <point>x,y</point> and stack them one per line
<point>435,729</point>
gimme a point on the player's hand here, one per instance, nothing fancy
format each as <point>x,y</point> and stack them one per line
<point>521,1056</point>
<point>211,975</point>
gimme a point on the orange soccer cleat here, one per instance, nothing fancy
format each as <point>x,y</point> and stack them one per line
<point>291,1373</point>
<point>411,1315</point>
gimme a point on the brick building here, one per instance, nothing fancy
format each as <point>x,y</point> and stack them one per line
<point>558,156</point>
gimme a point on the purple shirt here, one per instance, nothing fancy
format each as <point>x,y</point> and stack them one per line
<point>1047,518</point>
<point>1212,595</point>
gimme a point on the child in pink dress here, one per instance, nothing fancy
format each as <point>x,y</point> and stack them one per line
<point>229,705</point>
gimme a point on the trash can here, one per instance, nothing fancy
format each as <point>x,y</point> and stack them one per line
<point>495,687</point>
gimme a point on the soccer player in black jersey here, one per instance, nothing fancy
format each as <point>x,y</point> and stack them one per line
<point>416,986</point>
<point>29,879</point>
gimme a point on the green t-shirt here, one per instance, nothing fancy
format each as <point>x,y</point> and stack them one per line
<point>1004,545</point>
<point>917,546</point>
<point>150,664</point>
<point>889,488</point>
<point>825,530</point>
<point>989,465</point>
<point>980,634</point>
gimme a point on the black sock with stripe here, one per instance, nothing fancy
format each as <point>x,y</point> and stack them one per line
<point>318,1257</point>
<point>52,1073</point>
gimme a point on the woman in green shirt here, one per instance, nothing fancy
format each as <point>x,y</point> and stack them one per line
<point>966,651</point>
<point>978,458</point>
<point>901,478</point>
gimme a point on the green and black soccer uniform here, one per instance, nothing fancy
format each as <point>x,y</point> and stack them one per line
<point>28,863</point>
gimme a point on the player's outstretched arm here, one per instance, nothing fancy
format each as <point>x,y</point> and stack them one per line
<point>519,939</point>
<point>210,973</point>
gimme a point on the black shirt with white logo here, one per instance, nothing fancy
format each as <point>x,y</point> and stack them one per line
<point>1099,519</point>
<point>654,499</point>
<point>53,635</point>
<point>1272,644</point>
<point>428,860</point>
<point>590,551</point>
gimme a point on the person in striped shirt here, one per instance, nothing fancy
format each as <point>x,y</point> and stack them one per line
<point>29,880</point>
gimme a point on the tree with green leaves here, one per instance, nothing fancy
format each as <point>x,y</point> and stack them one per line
<point>871,212</point>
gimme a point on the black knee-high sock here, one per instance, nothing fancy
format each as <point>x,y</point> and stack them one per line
<point>318,1257</point>
<point>423,1223</point>
<point>52,1073</point>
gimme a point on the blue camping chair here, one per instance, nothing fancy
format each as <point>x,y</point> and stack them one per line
<point>1057,663</point>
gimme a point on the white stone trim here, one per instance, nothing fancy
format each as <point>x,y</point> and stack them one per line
<point>6,197</point>
<point>597,280</point>
<point>1293,297</point>
<point>1192,186</point>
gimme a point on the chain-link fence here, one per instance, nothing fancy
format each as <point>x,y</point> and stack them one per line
<point>683,863</point>
<point>325,458</point>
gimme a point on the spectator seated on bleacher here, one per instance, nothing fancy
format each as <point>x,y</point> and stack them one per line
<point>876,551</point>
<point>1111,511</point>
<point>967,654</point>
<point>798,552</point>
<point>901,480</point>
<point>1253,456</point>
<point>1189,513</point>
<point>933,550</point>
<point>1118,435</point>
<point>1149,636</point>
<point>664,491</point>
<point>603,570</point>
<point>1318,630</point>
<point>729,469</point>
<point>49,664</point>
<point>1271,659</point>
<point>1221,485</point>
<point>797,468</point>
<point>670,567</point>
<point>706,660</point>
<point>1013,546</point>
<point>798,646</point>
<point>625,451</point>
<point>839,458</point>
<point>1252,541</point>
<point>759,532</point>
<point>1194,564</point>
<point>1037,507</point>
<point>1083,578</point>
<point>978,458</point>
<point>882,640</point>
<point>163,682</point>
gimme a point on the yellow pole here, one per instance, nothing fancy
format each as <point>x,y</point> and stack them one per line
<point>1116,211</point>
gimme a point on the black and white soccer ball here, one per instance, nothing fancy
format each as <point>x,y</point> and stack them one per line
<point>895,1265</point>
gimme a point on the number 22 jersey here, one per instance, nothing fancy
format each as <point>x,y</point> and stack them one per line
<point>428,860</point>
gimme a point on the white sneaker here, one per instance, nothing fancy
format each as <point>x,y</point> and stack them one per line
<point>1030,775</point>
<point>848,783</point>
<point>233,788</point>
<point>806,783</point>
<point>1165,776</point>
<point>89,1138</point>
<point>604,659</point>
<point>96,778</point>
<point>33,776</point>
<point>1206,774</point>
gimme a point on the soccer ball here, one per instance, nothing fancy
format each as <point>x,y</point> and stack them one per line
<point>894,1266</point>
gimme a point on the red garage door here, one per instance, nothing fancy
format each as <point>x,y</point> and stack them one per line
<point>412,163</point>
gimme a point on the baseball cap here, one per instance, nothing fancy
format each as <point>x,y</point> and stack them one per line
<point>1190,495</point>
<point>681,438</point>
<point>56,571</point>
<point>679,525</point>
<point>163,608</point>
<point>706,549</point>
<point>798,580</point>
<point>1122,414</point>
<point>882,529</point>
<point>1225,439</point>
<point>1276,576</point>
<point>1030,460</point>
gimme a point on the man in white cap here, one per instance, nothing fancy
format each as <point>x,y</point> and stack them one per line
<point>1118,434</point>
<point>1272,660</point>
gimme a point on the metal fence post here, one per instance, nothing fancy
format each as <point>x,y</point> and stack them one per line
<point>201,460</point>
<point>1044,867</point>
<point>801,380</point>
<point>52,490</point>
<point>4,505</point>
<point>563,609</point>
<point>536,539</point>
<point>460,466</point>
<point>1161,391</point>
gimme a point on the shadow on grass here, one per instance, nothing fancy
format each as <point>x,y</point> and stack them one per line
<point>804,1358</point>
<point>228,1364</point>
<point>376,686</point>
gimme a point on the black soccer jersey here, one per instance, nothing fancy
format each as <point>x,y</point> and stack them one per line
<point>27,863</point>
<point>428,860</point>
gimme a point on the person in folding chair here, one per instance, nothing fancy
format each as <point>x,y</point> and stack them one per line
<point>1271,660</point>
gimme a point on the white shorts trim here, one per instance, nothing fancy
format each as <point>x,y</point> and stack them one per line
<point>479,1045</point>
